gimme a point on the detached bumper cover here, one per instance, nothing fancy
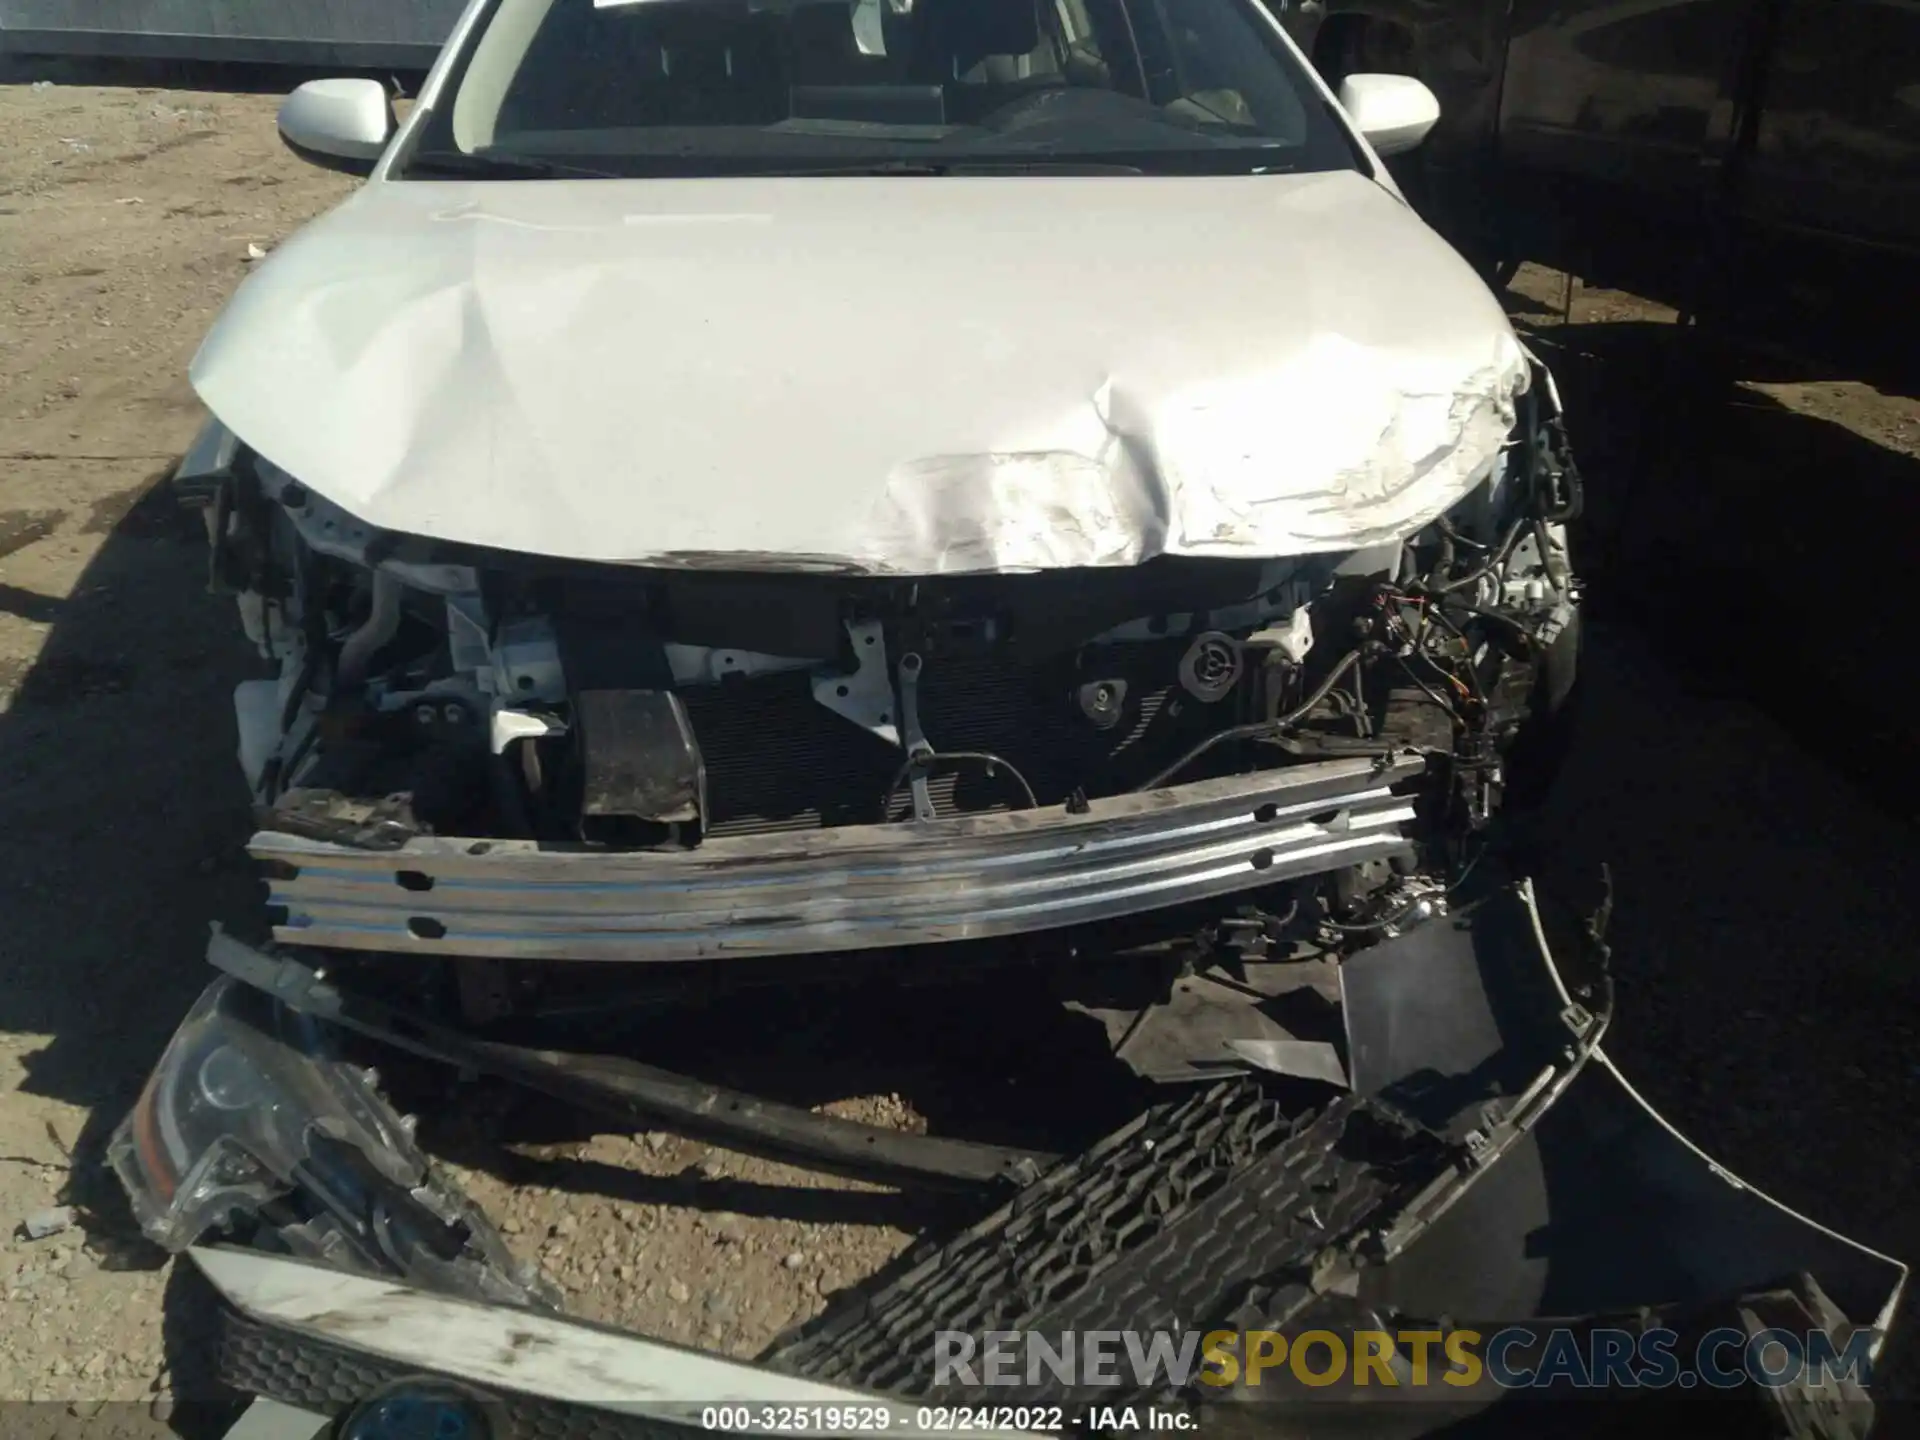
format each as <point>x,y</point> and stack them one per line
<point>1491,1170</point>
<point>555,1377</point>
<point>851,887</point>
<point>328,1344</point>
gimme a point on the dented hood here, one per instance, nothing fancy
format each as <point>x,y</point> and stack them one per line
<point>905,375</point>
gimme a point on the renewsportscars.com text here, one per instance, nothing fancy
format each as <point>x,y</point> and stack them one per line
<point>1517,1357</point>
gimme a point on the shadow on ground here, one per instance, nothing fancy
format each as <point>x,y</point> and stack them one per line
<point>121,811</point>
<point>122,820</point>
<point>1746,768</point>
<point>993,1060</point>
<point>1763,551</point>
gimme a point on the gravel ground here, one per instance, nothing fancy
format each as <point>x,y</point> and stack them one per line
<point>1761,836</point>
<point>694,1271</point>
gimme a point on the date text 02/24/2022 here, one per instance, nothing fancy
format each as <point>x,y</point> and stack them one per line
<point>817,1420</point>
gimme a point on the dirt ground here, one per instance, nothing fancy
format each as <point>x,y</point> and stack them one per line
<point>1741,770</point>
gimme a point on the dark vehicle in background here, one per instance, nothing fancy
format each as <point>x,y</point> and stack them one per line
<point>1754,163</point>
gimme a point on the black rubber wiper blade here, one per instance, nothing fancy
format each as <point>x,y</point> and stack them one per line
<point>500,165</point>
<point>971,167</point>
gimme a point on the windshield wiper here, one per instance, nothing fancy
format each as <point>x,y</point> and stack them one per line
<point>499,165</point>
<point>970,167</point>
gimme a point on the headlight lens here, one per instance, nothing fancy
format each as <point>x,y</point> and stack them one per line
<point>227,1117</point>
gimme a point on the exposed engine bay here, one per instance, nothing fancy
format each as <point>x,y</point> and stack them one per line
<point>428,690</point>
<point>1216,808</point>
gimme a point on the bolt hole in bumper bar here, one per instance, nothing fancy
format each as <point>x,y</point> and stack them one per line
<point>846,888</point>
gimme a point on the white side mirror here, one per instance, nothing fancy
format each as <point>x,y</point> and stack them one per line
<point>341,124</point>
<point>1394,112</point>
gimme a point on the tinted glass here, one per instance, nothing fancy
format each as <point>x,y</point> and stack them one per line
<point>782,86</point>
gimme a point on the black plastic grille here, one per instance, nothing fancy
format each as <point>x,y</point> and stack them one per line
<point>1203,1210</point>
<point>298,1370</point>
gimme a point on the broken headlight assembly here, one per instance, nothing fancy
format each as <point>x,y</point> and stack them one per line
<point>250,1122</point>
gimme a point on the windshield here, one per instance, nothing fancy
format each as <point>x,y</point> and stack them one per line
<point>727,87</point>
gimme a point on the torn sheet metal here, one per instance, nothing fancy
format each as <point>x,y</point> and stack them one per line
<point>1309,1059</point>
<point>874,375</point>
<point>1224,1021</point>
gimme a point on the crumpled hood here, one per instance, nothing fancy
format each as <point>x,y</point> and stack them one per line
<point>908,375</point>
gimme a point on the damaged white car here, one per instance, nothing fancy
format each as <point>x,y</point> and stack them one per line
<point>863,490</point>
<point>811,476</point>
